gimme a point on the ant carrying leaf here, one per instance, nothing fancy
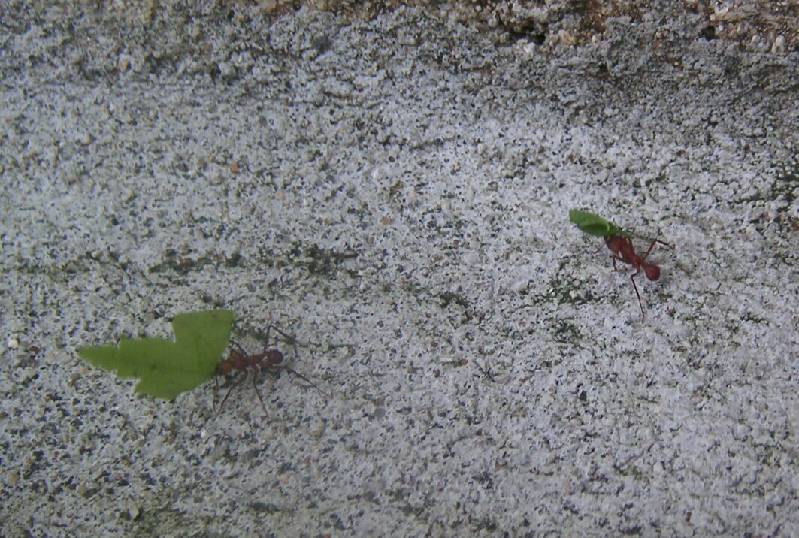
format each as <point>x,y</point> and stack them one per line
<point>240,364</point>
<point>620,244</point>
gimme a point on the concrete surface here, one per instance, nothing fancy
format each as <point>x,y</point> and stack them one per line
<point>394,190</point>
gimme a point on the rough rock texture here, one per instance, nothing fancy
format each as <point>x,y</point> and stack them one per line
<point>391,184</point>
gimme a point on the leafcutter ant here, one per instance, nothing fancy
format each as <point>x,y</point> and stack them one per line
<point>240,363</point>
<point>619,242</point>
<point>622,250</point>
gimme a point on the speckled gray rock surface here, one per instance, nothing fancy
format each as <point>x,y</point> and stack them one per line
<point>394,192</point>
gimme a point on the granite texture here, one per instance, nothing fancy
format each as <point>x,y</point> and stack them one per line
<point>392,188</point>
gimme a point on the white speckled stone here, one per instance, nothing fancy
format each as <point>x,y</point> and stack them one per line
<point>397,175</point>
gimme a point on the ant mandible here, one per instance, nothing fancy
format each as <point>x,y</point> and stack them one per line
<point>622,250</point>
<point>270,359</point>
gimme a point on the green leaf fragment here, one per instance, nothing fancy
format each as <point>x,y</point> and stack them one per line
<point>595,225</point>
<point>166,368</point>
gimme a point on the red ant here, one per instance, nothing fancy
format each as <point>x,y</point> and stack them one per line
<point>269,359</point>
<point>623,251</point>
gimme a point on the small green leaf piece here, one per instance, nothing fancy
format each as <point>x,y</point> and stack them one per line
<point>167,368</point>
<point>593,224</point>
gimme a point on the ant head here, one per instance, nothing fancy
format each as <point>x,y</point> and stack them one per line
<point>652,271</point>
<point>274,356</point>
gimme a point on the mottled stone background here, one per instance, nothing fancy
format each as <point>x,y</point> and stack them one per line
<point>391,185</point>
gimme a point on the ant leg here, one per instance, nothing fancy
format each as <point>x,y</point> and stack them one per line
<point>233,386</point>
<point>294,346</point>
<point>293,341</point>
<point>287,337</point>
<point>237,347</point>
<point>258,393</point>
<point>311,383</point>
<point>656,240</point>
<point>216,392</point>
<point>266,337</point>
<point>651,246</point>
<point>640,303</point>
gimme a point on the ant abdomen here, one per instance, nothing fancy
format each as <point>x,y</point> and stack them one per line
<point>274,357</point>
<point>652,271</point>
